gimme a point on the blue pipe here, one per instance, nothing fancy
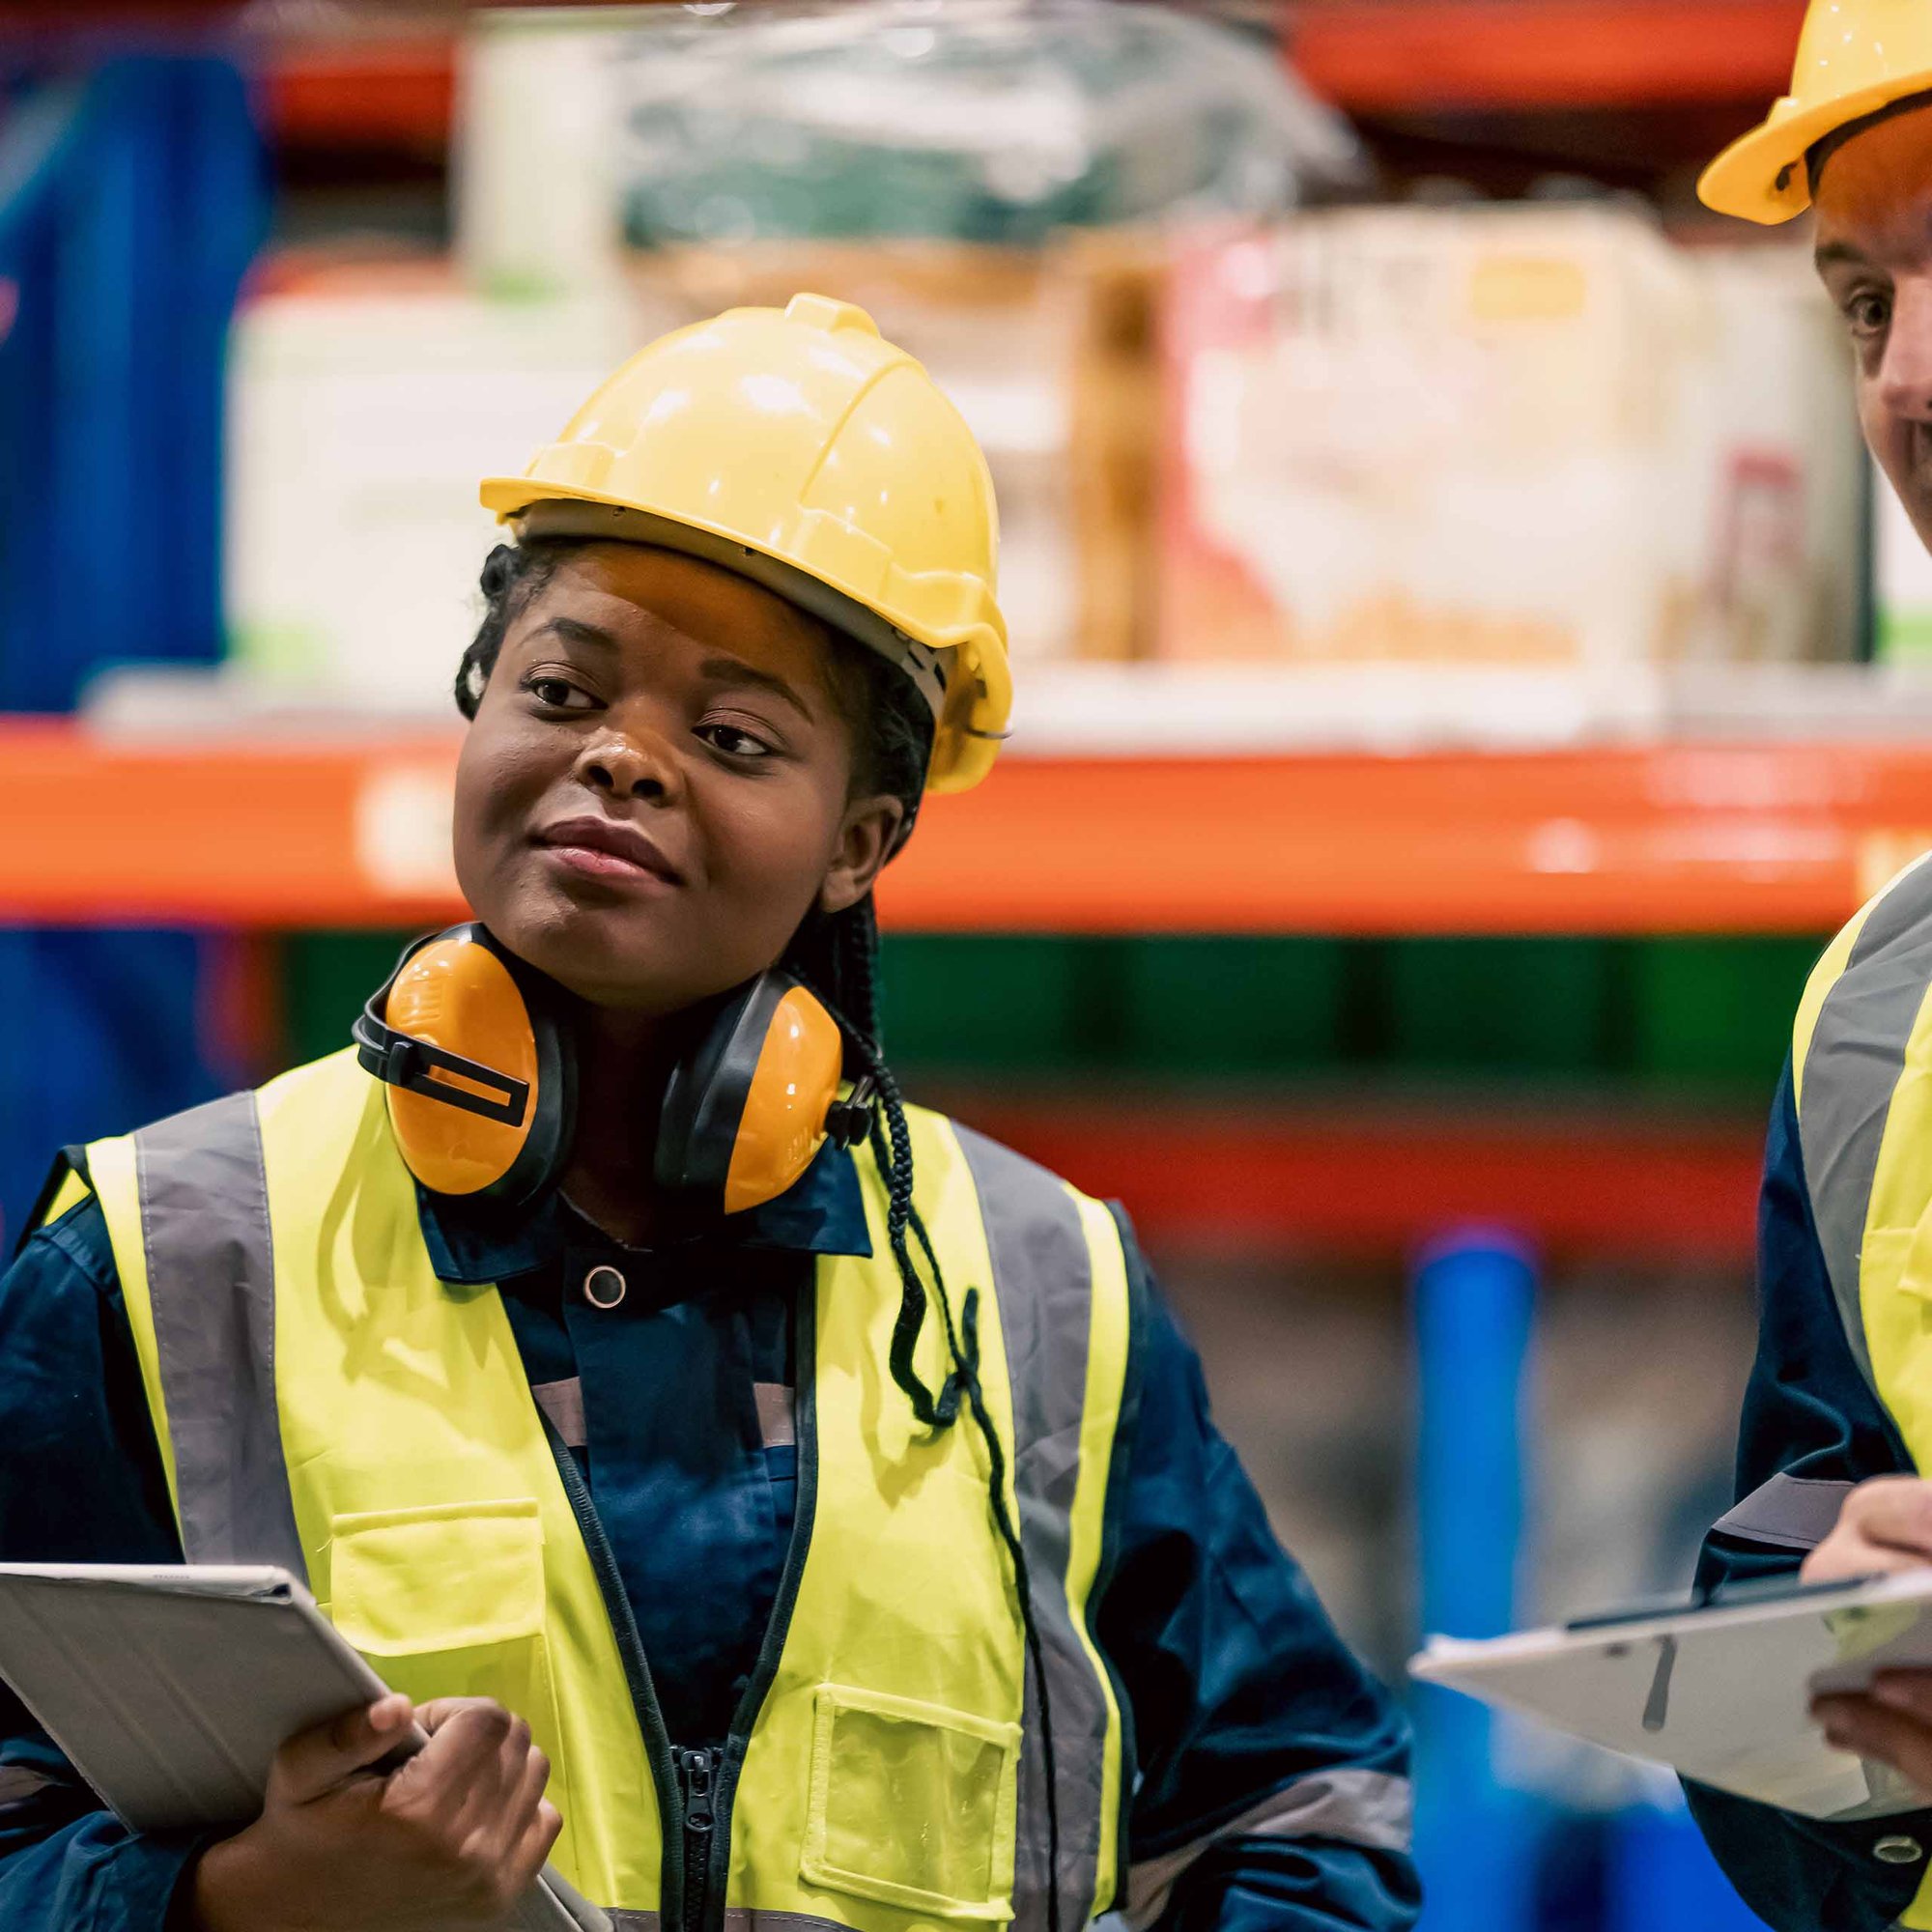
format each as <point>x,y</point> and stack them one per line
<point>1475,1296</point>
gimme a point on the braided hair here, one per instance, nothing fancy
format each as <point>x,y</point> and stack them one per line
<point>837,955</point>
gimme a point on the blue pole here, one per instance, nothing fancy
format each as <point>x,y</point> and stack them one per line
<point>1663,1878</point>
<point>1474,1294</point>
<point>131,203</point>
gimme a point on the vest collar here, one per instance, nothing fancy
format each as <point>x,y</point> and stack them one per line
<point>472,1242</point>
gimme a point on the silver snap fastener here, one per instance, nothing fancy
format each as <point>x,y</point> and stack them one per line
<point>1898,1851</point>
<point>604,1287</point>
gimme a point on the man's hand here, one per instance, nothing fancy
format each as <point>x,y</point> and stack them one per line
<point>453,1837</point>
<point>1886,1526</point>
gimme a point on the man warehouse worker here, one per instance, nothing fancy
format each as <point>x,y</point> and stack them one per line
<point>1838,1418</point>
<point>779,1505</point>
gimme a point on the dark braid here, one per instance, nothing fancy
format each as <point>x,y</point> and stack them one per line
<point>512,575</point>
<point>837,956</point>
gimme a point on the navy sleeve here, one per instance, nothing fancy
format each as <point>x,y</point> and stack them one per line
<point>1272,1768</point>
<point>81,1481</point>
<point>1808,1413</point>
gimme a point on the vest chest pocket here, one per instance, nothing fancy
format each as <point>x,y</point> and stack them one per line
<point>448,1602</point>
<point>911,1803</point>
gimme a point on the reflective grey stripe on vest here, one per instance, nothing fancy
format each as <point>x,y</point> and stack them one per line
<point>1360,1808</point>
<point>1043,1275</point>
<point>1789,1512</point>
<point>1856,1054</point>
<point>212,1283</point>
<point>737,1919</point>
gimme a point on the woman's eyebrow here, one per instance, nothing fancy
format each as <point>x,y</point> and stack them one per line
<point>575,631</point>
<point>724,670</point>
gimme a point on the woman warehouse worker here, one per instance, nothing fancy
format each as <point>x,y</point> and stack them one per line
<point>770,1499</point>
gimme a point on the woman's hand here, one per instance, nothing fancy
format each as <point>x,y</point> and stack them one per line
<point>1886,1526</point>
<point>452,1837</point>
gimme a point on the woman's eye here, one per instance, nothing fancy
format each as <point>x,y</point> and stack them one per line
<point>557,694</point>
<point>734,741</point>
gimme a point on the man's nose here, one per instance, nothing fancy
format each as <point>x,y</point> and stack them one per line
<point>1905,377</point>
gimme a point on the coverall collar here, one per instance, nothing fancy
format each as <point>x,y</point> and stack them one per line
<point>473,1241</point>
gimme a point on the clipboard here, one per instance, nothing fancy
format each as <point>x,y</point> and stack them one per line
<point>1721,1691</point>
<point>171,1688</point>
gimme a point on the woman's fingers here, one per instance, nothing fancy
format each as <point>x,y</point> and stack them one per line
<point>534,1847</point>
<point>314,1762</point>
<point>1873,1729</point>
<point>1909,1693</point>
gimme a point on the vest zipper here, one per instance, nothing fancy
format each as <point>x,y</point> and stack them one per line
<point>712,1889</point>
<point>664,1771</point>
<point>698,1770</point>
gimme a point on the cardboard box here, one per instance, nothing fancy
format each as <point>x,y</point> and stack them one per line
<point>1500,435</point>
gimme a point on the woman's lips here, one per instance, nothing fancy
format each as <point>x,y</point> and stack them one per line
<point>603,849</point>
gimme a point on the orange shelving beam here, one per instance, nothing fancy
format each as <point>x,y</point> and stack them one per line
<point>1366,56</point>
<point>1367,1180</point>
<point>1682,838</point>
<point>1495,55</point>
<point>396,91</point>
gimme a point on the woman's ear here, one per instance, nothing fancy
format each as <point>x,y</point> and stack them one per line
<point>865,843</point>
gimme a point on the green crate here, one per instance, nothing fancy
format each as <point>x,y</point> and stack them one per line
<point>1497,1006</point>
<point>999,1001</point>
<point>1232,1005</point>
<point>1718,1010</point>
<point>326,978</point>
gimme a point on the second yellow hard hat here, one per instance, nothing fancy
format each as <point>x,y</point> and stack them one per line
<point>800,449</point>
<point>1853,58</point>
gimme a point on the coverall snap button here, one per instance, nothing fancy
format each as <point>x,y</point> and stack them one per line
<point>604,1287</point>
<point>1898,1851</point>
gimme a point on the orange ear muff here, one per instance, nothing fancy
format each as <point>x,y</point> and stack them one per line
<point>746,1115</point>
<point>481,1089</point>
<point>477,1073</point>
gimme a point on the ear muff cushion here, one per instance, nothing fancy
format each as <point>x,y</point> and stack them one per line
<point>781,1125</point>
<point>744,1112</point>
<point>461,992</point>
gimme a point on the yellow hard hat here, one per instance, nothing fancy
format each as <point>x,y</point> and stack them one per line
<point>1853,58</point>
<point>798,448</point>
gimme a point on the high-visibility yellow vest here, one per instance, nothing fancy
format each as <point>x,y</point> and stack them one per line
<point>323,1401</point>
<point>1862,1076</point>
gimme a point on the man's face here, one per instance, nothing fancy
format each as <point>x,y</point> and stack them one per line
<point>1874,253</point>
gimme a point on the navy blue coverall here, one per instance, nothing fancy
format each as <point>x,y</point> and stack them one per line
<point>1237,1686</point>
<point>1808,1416</point>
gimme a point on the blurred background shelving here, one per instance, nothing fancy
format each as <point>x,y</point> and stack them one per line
<point>1465,669</point>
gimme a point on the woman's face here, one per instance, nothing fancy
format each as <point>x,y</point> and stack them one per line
<point>656,788</point>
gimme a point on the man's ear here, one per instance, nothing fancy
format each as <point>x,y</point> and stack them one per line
<point>865,844</point>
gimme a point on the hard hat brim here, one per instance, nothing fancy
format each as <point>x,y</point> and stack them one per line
<point>967,688</point>
<point>1743,180</point>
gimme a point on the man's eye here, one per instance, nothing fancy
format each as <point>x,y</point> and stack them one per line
<point>1868,314</point>
<point>734,742</point>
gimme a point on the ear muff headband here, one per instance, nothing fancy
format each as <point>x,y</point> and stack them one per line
<point>481,1091</point>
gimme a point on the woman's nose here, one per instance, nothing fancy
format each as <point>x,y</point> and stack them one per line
<point>629,765</point>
